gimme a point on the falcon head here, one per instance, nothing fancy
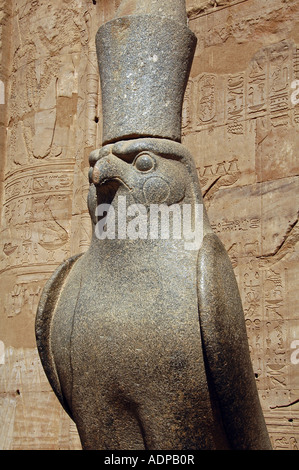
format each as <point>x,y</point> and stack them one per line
<point>150,170</point>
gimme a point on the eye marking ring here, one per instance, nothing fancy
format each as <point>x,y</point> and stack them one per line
<point>156,190</point>
<point>144,162</point>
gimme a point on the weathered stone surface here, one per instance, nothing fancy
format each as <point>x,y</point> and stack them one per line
<point>230,34</point>
<point>27,398</point>
<point>143,338</point>
<point>163,8</point>
<point>146,322</point>
<point>45,91</point>
<point>133,84</point>
<point>245,125</point>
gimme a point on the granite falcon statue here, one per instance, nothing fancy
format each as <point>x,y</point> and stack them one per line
<point>144,341</point>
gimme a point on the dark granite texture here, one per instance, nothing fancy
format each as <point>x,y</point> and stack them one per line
<point>134,83</point>
<point>143,340</point>
<point>146,340</point>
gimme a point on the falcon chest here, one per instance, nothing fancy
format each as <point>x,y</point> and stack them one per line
<point>136,315</point>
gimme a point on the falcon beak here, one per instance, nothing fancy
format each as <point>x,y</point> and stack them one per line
<point>109,168</point>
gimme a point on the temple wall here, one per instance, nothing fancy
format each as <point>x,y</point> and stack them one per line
<point>240,121</point>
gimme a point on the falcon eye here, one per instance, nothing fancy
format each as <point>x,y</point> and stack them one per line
<point>144,162</point>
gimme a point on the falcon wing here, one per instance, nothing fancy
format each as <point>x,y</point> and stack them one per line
<point>226,349</point>
<point>45,312</point>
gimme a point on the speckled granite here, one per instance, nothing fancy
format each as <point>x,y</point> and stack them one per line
<point>144,341</point>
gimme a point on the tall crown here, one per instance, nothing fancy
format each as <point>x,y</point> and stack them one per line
<point>144,55</point>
